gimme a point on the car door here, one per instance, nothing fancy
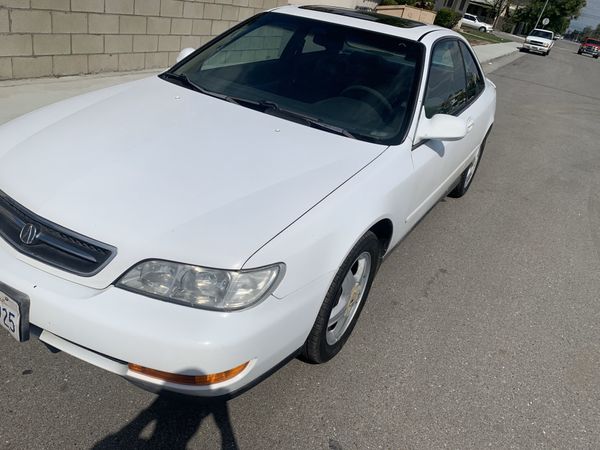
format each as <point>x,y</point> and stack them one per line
<point>438,164</point>
<point>477,108</point>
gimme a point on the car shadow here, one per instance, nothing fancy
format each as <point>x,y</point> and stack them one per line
<point>170,422</point>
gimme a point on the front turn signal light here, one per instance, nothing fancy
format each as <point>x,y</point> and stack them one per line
<point>190,380</point>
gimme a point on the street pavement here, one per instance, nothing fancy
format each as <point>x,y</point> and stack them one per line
<point>482,328</point>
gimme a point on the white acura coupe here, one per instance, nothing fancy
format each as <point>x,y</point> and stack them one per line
<point>193,230</point>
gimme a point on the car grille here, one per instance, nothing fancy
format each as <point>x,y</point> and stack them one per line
<point>541,44</point>
<point>49,243</point>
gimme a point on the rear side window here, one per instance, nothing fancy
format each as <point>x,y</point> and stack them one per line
<point>446,86</point>
<point>475,82</point>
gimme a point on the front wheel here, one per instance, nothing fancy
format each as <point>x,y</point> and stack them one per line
<point>344,301</point>
<point>482,29</point>
<point>466,177</point>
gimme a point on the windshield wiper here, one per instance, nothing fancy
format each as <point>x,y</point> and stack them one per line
<point>310,121</point>
<point>186,82</point>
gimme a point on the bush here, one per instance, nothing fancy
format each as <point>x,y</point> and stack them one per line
<point>388,3</point>
<point>425,4</point>
<point>447,18</point>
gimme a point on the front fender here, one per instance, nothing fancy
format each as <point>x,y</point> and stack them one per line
<point>318,242</point>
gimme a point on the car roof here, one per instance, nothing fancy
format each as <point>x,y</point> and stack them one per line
<point>381,23</point>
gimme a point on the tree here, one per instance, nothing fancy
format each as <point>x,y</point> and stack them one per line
<point>497,7</point>
<point>560,13</point>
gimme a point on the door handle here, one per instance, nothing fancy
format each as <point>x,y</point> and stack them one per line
<point>470,125</point>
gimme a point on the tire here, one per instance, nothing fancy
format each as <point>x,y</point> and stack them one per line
<point>523,49</point>
<point>466,178</point>
<point>596,57</point>
<point>579,52</point>
<point>482,29</point>
<point>326,339</point>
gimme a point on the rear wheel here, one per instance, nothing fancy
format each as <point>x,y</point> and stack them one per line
<point>344,301</point>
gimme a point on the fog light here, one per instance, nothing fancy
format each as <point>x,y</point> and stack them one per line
<point>193,380</point>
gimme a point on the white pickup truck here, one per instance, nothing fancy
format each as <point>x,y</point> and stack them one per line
<point>540,41</point>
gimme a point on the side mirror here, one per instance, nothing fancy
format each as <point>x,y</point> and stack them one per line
<point>441,127</point>
<point>185,53</point>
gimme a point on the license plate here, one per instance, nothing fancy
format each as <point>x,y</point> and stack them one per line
<point>14,313</point>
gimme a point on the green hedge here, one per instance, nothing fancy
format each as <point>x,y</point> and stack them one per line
<point>447,18</point>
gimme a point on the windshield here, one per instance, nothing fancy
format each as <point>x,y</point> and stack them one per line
<point>592,41</point>
<point>346,80</point>
<point>542,34</point>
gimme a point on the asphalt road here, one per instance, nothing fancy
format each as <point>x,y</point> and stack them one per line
<point>482,329</point>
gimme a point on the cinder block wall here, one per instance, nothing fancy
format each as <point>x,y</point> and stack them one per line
<point>41,38</point>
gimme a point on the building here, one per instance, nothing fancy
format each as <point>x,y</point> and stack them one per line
<point>40,38</point>
<point>457,5</point>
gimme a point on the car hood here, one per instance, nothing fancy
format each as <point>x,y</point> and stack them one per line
<point>160,171</point>
<point>539,39</point>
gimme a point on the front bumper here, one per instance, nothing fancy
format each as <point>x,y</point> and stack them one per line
<point>536,48</point>
<point>589,51</point>
<point>110,328</point>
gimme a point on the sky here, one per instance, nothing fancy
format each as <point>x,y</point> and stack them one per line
<point>590,15</point>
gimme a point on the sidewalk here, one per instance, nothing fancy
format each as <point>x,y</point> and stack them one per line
<point>21,96</point>
<point>487,53</point>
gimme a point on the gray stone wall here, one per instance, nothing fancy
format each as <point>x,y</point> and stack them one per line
<point>41,38</point>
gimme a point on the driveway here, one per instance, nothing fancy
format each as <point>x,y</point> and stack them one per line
<point>482,329</point>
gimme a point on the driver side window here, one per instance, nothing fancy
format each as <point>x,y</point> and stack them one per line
<point>446,86</point>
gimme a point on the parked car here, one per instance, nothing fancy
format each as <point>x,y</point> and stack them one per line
<point>472,21</point>
<point>590,47</point>
<point>192,230</point>
<point>539,41</point>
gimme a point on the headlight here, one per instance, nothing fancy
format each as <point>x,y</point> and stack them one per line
<point>200,287</point>
<point>546,44</point>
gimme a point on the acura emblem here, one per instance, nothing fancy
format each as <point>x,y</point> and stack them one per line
<point>28,234</point>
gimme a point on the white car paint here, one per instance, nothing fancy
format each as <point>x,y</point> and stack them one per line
<point>472,21</point>
<point>163,183</point>
<point>144,180</point>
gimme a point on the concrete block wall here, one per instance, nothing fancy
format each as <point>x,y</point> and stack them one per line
<point>40,38</point>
